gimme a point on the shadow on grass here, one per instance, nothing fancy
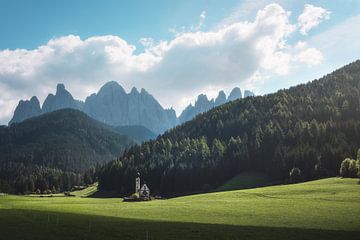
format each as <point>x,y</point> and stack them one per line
<point>25,224</point>
<point>104,194</point>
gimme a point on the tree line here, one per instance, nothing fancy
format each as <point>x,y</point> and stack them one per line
<point>17,178</point>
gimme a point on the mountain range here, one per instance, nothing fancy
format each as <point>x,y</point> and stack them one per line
<point>203,104</point>
<point>113,106</point>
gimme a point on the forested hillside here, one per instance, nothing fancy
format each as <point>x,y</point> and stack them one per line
<point>136,132</point>
<point>54,148</point>
<point>311,126</point>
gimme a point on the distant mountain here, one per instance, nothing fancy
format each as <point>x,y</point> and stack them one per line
<point>248,93</point>
<point>235,94</point>
<point>137,132</point>
<point>65,139</point>
<point>203,104</point>
<point>113,106</point>
<point>26,109</point>
<point>62,99</point>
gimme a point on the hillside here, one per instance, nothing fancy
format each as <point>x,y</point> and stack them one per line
<point>246,180</point>
<point>49,151</point>
<point>312,126</point>
<point>66,139</point>
<point>297,211</point>
<point>136,132</point>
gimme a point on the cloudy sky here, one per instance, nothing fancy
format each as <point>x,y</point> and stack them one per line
<point>173,49</point>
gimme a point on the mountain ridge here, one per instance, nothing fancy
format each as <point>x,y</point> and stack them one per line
<point>114,106</point>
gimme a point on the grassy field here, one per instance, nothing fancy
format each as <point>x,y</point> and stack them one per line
<point>247,180</point>
<point>323,209</point>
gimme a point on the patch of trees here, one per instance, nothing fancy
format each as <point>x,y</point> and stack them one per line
<point>17,178</point>
<point>310,127</point>
<point>350,168</point>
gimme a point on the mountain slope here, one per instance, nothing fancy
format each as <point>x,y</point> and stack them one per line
<point>113,106</point>
<point>137,132</point>
<point>311,126</point>
<point>65,139</point>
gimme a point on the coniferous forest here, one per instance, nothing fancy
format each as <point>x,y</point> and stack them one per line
<point>307,130</point>
<point>55,151</point>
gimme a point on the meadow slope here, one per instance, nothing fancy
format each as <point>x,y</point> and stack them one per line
<point>322,209</point>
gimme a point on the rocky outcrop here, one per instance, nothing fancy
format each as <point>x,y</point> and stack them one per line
<point>26,109</point>
<point>248,93</point>
<point>202,104</point>
<point>62,99</point>
<point>112,105</point>
<point>234,94</point>
<point>220,99</point>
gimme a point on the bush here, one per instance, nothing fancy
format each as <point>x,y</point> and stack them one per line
<point>135,196</point>
<point>349,168</point>
<point>295,175</point>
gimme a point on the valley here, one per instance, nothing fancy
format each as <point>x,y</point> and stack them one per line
<point>321,209</point>
<point>189,120</point>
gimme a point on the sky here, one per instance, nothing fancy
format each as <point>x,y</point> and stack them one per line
<point>174,49</point>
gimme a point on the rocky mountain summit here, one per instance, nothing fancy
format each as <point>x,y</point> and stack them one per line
<point>114,106</point>
<point>62,99</point>
<point>203,104</point>
<point>111,105</point>
<point>26,109</point>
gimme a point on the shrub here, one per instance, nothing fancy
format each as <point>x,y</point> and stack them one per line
<point>135,195</point>
<point>295,175</point>
<point>348,168</point>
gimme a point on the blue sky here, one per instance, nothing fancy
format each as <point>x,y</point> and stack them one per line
<point>171,48</point>
<point>28,24</point>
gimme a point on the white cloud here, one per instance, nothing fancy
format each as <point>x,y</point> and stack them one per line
<point>311,17</point>
<point>309,56</point>
<point>201,21</point>
<point>173,71</point>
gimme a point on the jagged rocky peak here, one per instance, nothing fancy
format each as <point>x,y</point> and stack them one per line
<point>26,109</point>
<point>248,93</point>
<point>134,91</point>
<point>112,105</point>
<point>234,94</point>
<point>62,99</point>
<point>220,99</point>
<point>111,88</point>
<point>202,99</point>
<point>60,88</point>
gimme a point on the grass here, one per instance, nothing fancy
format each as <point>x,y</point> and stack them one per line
<point>247,180</point>
<point>89,191</point>
<point>322,209</point>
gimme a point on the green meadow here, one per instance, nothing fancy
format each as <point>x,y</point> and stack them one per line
<point>322,209</point>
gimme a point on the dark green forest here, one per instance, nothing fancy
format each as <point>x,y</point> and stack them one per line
<point>311,127</point>
<point>52,150</point>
